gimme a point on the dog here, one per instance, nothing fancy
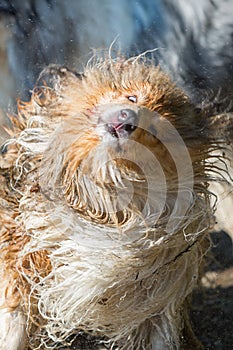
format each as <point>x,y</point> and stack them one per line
<point>144,180</point>
<point>105,208</point>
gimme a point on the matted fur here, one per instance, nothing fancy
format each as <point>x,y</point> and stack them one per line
<point>78,254</point>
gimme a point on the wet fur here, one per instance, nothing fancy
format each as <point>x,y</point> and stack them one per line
<point>69,263</point>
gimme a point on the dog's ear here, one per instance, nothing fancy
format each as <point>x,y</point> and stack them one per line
<point>55,76</point>
<point>52,82</point>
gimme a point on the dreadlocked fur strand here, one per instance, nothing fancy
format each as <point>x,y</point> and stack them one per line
<point>104,233</point>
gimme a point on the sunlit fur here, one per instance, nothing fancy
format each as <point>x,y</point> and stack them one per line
<point>75,255</point>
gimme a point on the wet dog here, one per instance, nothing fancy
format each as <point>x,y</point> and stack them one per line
<point>105,209</point>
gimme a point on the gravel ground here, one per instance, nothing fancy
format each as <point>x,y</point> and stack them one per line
<point>212,310</point>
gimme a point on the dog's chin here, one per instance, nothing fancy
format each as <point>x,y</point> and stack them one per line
<point>114,146</point>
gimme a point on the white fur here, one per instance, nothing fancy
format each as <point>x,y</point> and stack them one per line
<point>12,330</point>
<point>91,263</point>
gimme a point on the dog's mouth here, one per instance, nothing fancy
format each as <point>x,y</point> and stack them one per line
<point>120,130</point>
<point>118,121</point>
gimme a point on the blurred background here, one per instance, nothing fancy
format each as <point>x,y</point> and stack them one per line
<point>193,38</point>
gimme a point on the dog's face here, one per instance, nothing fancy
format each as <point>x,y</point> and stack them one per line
<point>117,140</point>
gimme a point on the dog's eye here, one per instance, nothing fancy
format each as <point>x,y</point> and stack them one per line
<point>133,98</point>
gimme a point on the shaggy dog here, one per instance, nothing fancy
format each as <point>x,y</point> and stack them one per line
<point>105,209</point>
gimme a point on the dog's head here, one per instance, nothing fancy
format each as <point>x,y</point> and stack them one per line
<point>118,141</point>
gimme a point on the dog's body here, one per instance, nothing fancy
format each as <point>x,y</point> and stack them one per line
<point>105,209</point>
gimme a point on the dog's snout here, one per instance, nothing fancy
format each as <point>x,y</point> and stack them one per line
<point>128,116</point>
<point>122,123</point>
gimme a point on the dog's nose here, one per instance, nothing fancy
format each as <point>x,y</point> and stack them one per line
<point>123,123</point>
